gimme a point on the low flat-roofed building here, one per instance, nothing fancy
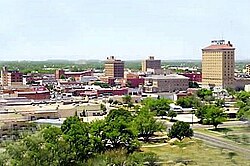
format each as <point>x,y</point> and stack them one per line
<point>34,95</point>
<point>240,83</point>
<point>165,83</point>
<point>62,74</point>
<point>34,115</point>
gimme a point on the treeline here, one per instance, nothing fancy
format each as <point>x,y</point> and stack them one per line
<point>111,141</point>
<point>49,67</point>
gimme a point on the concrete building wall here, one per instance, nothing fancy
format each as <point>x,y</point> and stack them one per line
<point>169,83</point>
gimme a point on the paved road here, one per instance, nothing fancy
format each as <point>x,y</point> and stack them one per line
<point>222,144</point>
<point>225,124</point>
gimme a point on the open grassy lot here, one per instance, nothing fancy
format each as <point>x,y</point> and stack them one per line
<point>194,152</point>
<point>239,135</point>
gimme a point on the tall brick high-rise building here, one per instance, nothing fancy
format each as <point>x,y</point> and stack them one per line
<point>151,64</point>
<point>248,69</point>
<point>11,78</point>
<point>218,65</point>
<point>114,68</point>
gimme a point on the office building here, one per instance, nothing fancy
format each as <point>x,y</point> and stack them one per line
<point>114,68</point>
<point>218,65</point>
<point>11,78</point>
<point>165,83</point>
<point>151,64</point>
<point>248,69</point>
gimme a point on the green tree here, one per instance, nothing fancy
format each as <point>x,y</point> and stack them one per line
<point>243,112</point>
<point>58,148</point>
<point>79,140</point>
<point>220,102</point>
<point>201,111</point>
<point>118,132</point>
<point>204,92</point>
<point>172,114</point>
<point>46,147</point>
<point>159,106</point>
<point>146,124</point>
<point>209,98</point>
<point>66,126</point>
<point>243,96</point>
<point>211,115</point>
<point>231,91</point>
<point>126,99</point>
<point>103,108</point>
<point>189,102</point>
<point>62,77</point>
<point>180,130</point>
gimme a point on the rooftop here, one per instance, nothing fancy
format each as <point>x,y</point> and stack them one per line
<point>169,76</point>
<point>219,45</point>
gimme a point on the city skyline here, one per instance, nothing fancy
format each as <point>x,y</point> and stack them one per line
<point>131,30</point>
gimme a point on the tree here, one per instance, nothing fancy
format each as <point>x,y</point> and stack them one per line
<point>220,102</point>
<point>231,91</point>
<point>79,140</point>
<point>103,108</point>
<point>66,126</point>
<point>46,147</point>
<point>243,112</point>
<point>146,124</point>
<point>204,92</point>
<point>211,115</point>
<point>243,96</point>
<point>180,130</point>
<point>189,102</point>
<point>201,111</point>
<point>97,134</point>
<point>118,132</point>
<point>62,77</point>
<point>137,108</point>
<point>172,114</point>
<point>209,98</point>
<point>126,99</point>
<point>160,106</point>
<point>102,84</point>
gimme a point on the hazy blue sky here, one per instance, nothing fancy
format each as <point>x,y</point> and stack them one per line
<point>128,29</point>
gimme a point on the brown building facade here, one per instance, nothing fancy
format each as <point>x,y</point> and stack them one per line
<point>114,68</point>
<point>151,64</point>
<point>248,69</point>
<point>218,65</point>
<point>11,78</point>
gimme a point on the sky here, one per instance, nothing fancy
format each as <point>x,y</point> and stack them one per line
<point>127,29</point>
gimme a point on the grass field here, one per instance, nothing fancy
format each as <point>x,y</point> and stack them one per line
<point>194,152</point>
<point>239,135</point>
